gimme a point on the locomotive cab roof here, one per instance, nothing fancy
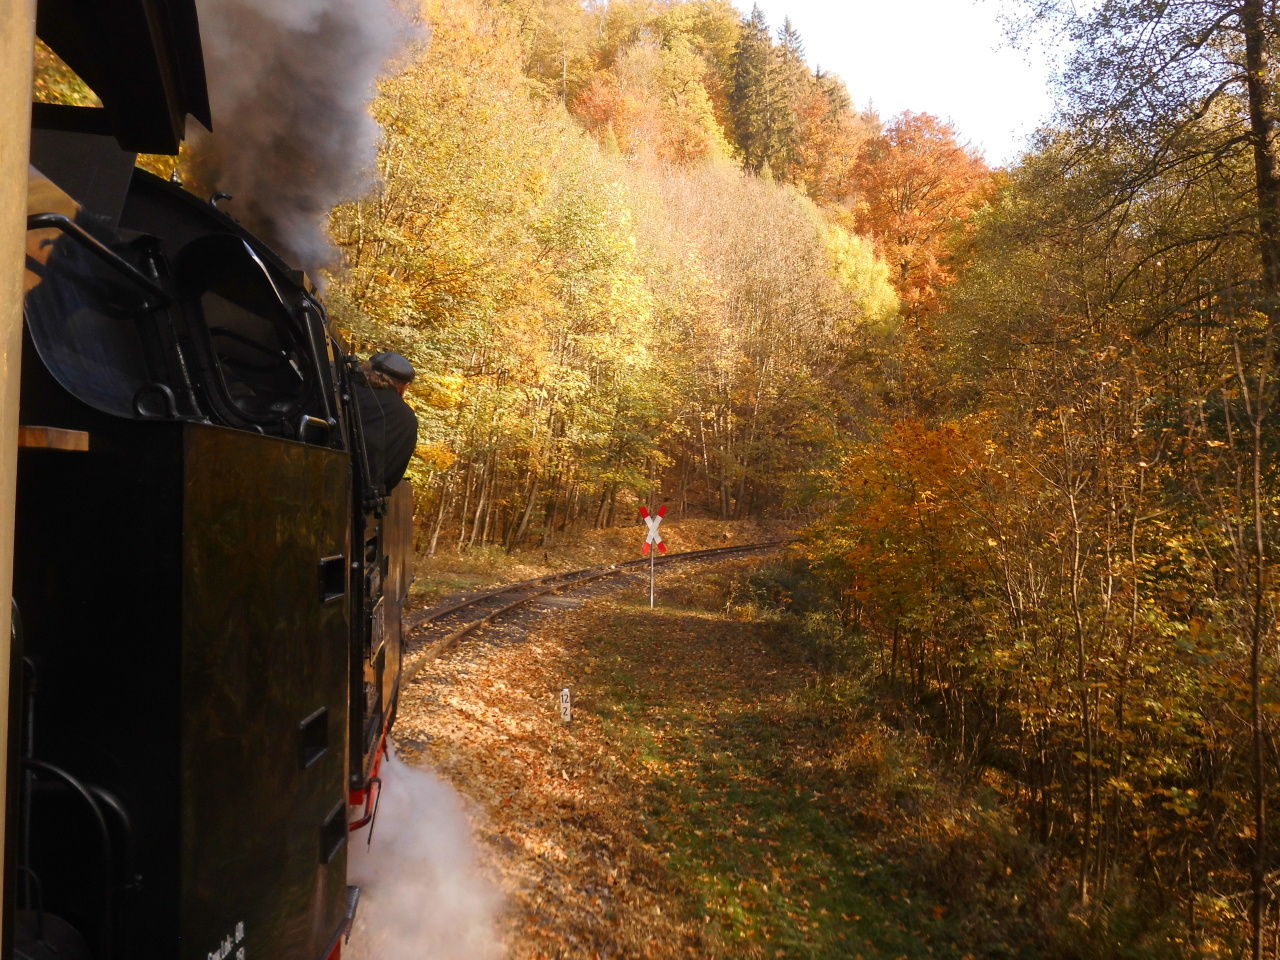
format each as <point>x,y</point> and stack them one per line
<point>142,58</point>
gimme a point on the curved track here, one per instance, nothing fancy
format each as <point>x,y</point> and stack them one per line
<point>463,617</point>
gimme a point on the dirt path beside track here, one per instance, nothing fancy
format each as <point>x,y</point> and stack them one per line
<point>558,811</point>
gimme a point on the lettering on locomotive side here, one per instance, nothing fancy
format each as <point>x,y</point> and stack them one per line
<point>228,944</point>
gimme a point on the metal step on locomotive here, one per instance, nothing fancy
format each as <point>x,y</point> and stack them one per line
<point>208,581</point>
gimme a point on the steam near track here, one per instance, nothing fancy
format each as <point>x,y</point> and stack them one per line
<point>422,895</point>
<point>289,84</point>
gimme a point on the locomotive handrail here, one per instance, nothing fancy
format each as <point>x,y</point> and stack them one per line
<point>108,854</point>
<point>58,221</point>
<point>317,348</point>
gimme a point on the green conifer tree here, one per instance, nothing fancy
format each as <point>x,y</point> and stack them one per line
<point>753,96</point>
<point>768,83</point>
<point>791,82</point>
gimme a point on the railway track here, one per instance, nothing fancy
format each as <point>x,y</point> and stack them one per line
<point>461,618</point>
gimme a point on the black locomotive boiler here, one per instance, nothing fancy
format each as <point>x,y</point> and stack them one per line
<point>208,582</point>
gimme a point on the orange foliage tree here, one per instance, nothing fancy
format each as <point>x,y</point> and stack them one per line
<point>919,187</point>
<point>831,142</point>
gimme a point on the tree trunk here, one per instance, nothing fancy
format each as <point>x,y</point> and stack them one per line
<point>706,459</point>
<point>604,503</point>
<point>551,513</point>
<point>446,500</point>
<point>684,480</point>
<point>466,504</point>
<point>742,494</point>
<point>1253,24</point>
<point>486,473</point>
<point>1255,691</point>
<point>531,497</point>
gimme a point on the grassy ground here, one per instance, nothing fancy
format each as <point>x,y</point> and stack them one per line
<point>711,798</point>
<point>452,570</point>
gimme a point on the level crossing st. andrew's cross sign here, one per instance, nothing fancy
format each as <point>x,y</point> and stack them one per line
<point>654,539</point>
<point>653,521</point>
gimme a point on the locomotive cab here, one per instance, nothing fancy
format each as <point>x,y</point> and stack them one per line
<point>208,594</point>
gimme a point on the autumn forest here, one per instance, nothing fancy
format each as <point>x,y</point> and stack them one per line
<point>1023,420</point>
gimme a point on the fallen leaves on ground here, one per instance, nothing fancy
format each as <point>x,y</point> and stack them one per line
<point>709,799</point>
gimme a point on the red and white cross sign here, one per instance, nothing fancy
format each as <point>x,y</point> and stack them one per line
<point>653,521</point>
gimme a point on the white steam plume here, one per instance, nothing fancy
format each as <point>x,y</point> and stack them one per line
<point>422,896</point>
<point>289,84</point>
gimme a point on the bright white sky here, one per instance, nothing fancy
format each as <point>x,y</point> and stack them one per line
<point>945,57</point>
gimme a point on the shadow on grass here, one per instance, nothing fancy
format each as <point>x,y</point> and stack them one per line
<point>798,825</point>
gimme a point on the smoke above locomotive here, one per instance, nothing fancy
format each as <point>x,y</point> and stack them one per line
<point>289,85</point>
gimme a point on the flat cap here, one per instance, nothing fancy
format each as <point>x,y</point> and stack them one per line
<point>392,365</point>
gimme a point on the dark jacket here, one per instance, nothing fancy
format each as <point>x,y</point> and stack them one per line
<point>390,433</point>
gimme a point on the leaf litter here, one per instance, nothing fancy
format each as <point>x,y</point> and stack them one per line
<point>708,799</point>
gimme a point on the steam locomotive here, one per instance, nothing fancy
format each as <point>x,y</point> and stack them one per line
<point>208,581</point>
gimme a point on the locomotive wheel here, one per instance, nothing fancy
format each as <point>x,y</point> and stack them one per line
<point>57,941</point>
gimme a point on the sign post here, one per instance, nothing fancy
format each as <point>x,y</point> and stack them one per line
<point>654,539</point>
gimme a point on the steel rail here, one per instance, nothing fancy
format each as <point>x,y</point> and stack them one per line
<point>543,586</point>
